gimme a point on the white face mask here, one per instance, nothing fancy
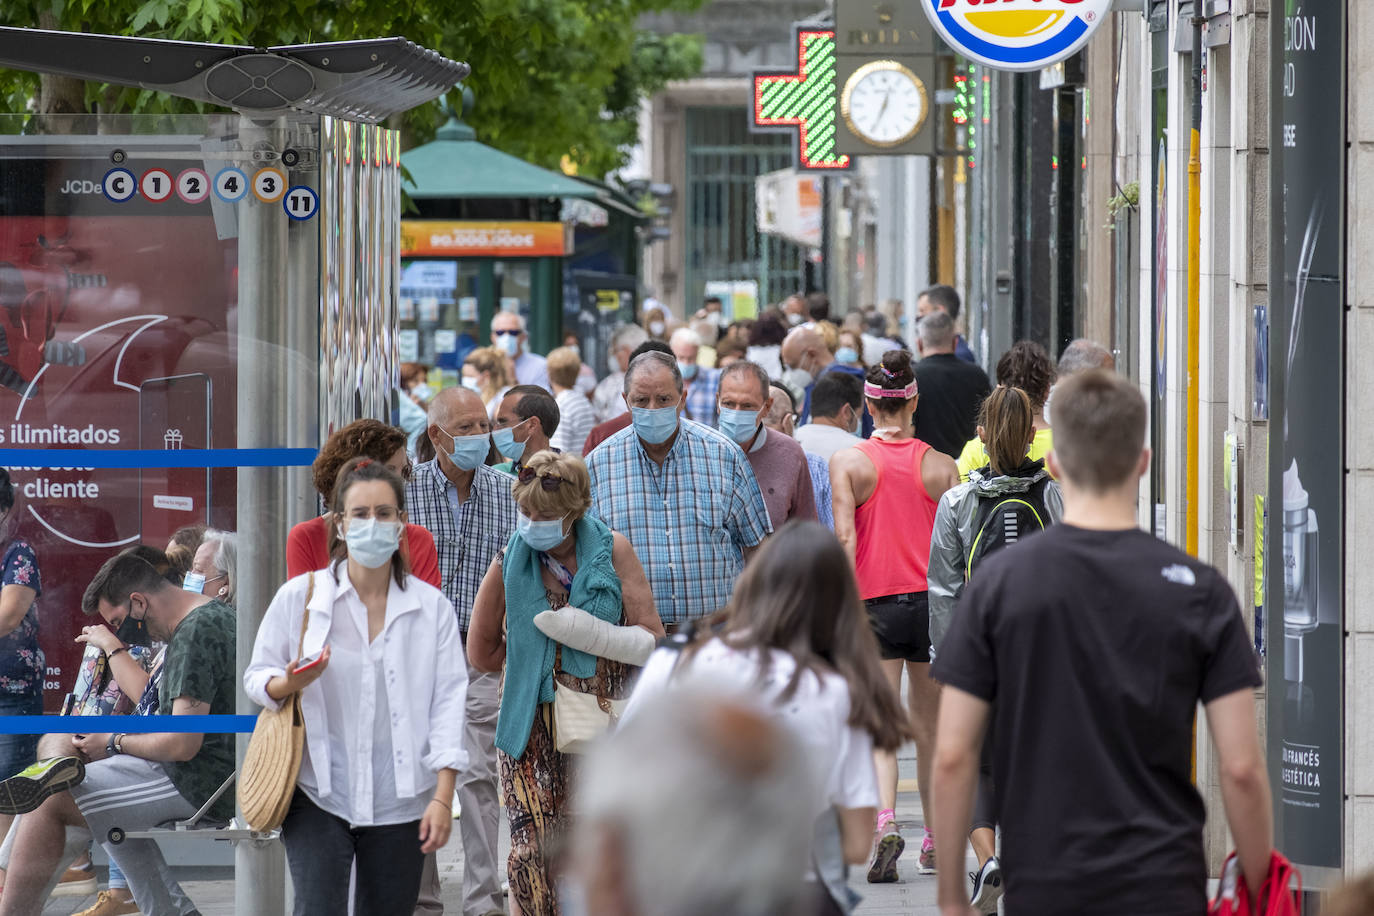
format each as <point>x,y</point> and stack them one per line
<point>657,328</point>
<point>612,364</point>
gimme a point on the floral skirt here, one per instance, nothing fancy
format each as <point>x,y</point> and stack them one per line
<point>534,789</point>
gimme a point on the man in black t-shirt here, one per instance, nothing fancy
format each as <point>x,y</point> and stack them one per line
<point>1096,641</point>
<point>952,391</point>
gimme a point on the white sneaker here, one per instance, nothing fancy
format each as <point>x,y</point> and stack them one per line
<point>987,886</point>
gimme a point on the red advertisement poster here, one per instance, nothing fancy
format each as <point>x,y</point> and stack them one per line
<point>117,331</point>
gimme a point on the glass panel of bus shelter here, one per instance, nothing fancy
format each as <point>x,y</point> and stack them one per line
<point>159,313</point>
<point>438,310</point>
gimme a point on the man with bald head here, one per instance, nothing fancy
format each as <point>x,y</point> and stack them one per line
<point>508,335</point>
<point>468,508</point>
<point>807,358</point>
<point>1084,354</point>
<point>682,493</point>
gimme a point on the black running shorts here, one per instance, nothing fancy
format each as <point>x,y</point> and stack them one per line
<point>902,625</point>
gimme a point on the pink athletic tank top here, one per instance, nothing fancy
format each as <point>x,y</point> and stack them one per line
<point>893,526</point>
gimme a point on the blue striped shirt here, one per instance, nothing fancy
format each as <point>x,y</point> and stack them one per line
<point>688,520</point>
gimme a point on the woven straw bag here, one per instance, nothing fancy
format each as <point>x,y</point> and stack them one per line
<point>273,761</point>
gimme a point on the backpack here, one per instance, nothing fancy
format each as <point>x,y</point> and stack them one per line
<point>1001,521</point>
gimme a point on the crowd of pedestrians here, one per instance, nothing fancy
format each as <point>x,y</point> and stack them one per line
<point>733,553</point>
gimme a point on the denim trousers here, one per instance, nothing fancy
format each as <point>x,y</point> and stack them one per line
<point>18,751</point>
<point>322,848</point>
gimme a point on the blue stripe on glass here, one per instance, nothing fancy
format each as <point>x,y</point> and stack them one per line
<point>129,725</point>
<point>157,458</point>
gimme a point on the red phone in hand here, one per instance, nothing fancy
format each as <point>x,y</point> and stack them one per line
<point>309,661</point>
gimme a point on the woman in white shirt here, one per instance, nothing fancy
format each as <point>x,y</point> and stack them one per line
<point>795,635</point>
<point>383,706</point>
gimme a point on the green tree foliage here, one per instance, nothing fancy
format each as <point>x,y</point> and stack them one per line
<point>552,78</point>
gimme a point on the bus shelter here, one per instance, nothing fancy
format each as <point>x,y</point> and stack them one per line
<point>188,305</point>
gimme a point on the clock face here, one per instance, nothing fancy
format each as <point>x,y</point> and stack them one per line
<point>884,103</point>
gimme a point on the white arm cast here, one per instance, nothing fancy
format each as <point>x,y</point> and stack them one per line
<point>577,629</point>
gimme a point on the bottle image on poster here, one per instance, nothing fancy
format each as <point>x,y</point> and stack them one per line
<point>1306,724</point>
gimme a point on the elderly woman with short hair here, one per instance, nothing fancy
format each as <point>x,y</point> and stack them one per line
<point>568,601</point>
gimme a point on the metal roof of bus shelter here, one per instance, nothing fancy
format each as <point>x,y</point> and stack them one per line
<point>366,81</point>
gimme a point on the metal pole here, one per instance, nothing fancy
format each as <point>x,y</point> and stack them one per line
<point>260,868</point>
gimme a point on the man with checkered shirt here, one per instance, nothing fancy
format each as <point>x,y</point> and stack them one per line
<point>682,493</point>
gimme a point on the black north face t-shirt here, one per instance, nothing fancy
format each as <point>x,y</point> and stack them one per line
<point>1095,648</point>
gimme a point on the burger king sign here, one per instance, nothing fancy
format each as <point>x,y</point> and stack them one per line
<point>1016,34</point>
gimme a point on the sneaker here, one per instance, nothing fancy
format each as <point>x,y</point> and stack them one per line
<point>887,848</point>
<point>926,863</point>
<point>25,790</point>
<point>110,904</point>
<point>987,886</point>
<point>76,882</point>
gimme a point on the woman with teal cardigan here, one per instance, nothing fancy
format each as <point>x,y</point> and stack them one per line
<point>567,601</point>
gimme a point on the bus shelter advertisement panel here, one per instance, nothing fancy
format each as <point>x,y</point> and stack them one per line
<point>116,332</point>
<point>1306,462</point>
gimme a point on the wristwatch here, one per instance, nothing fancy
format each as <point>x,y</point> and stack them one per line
<point>115,745</point>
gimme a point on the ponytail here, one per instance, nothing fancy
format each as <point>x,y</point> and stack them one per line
<point>1008,425</point>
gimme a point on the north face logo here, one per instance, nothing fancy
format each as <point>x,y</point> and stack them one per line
<point>1179,574</point>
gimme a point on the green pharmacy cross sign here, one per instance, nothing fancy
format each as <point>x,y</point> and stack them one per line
<point>804,100</point>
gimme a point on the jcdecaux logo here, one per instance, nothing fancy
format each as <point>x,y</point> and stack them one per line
<point>1016,34</point>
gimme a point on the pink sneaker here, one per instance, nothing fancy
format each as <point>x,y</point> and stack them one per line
<point>926,862</point>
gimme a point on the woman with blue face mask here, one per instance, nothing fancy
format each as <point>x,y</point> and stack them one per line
<point>376,657</point>
<point>568,602</point>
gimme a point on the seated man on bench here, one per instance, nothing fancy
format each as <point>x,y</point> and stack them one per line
<point>134,781</point>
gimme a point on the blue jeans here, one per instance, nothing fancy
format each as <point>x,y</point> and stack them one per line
<point>18,751</point>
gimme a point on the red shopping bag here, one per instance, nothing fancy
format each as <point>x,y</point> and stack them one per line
<point>1280,893</point>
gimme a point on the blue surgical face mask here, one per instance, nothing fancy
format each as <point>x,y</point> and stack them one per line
<point>655,425</point>
<point>193,582</point>
<point>847,356</point>
<point>469,451</point>
<point>541,536</point>
<point>372,542</point>
<point>422,392</point>
<point>738,425</point>
<point>504,440</point>
<point>509,343</point>
<point>688,370</point>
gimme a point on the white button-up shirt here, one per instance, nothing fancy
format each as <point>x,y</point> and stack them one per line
<point>385,716</point>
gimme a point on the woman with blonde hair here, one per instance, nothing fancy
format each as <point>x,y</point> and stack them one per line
<point>488,371</point>
<point>567,602</point>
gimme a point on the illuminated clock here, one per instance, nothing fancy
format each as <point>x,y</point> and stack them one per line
<point>884,103</point>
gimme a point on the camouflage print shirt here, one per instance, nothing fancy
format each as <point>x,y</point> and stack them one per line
<point>200,665</point>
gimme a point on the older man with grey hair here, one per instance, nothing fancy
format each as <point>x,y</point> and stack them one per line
<point>468,508</point>
<point>952,390</point>
<point>778,461</point>
<point>691,807</point>
<point>508,335</point>
<point>682,493</point>
<point>607,400</point>
<point>1084,354</point>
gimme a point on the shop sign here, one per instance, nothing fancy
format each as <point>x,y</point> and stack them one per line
<point>483,239</point>
<point>1022,35</point>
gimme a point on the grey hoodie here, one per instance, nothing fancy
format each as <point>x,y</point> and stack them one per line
<point>952,538</point>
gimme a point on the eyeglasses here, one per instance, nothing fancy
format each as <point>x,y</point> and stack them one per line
<point>549,482</point>
<point>509,332</point>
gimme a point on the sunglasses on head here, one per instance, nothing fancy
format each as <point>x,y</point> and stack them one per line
<point>549,482</point>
